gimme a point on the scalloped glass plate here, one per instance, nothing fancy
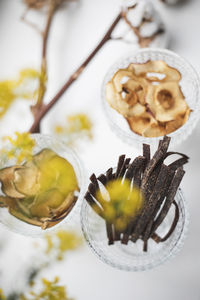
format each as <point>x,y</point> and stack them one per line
<point>45,141</point>
<point>190,85</point>
<point>131,257</point>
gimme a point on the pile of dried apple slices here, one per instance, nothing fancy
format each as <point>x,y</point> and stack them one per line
<point>150,98</point>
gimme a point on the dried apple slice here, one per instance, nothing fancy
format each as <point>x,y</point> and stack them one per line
<point>187,114</point>
<point>121,77</point>
<point>178,122</point>
<point>7,181</point>
<point>137,111</point>
<point>166,101</point>
<point>136,89</point>
<point>123,106</point>
<point>115,100</point>
<point>139,124</point>
<point>154,130</point>
<point>157,66</point>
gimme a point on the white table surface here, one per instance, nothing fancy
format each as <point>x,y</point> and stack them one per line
<point>74,33</point>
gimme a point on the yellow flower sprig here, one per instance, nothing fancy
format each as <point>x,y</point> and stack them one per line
<point>21,147</point>
<point>51,290</point>
<point>77,126</point>
<point>120,202</point>
<point>2,296</point>
<point>25,86</point>
<point>61,242</point>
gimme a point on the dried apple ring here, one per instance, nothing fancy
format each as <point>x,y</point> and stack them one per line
<point>166,101</point>
<point>157,66</point>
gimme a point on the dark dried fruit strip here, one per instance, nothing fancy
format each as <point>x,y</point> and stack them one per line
<point>148,230</point>
<point>158,157</point>
<point>135,165</point>
<point>151,182</point>
<point>92,189</point>
<point>109,174</point>
<point>174,223</point>
<point>177,153</point>
<point>117,235</point>
<point>146,152</point>
<point>120,164</point>
<point>94,181</point>
<point>169,198</point>
<point>102,178</point>
<point>178,163</point>
<point>150,206</point>
<point>93,204</point>
<point>110,234</point>
<point>124,167</point>
<point>129,230</point>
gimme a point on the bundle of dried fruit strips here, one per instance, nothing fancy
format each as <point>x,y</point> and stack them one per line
<point>130,216</point>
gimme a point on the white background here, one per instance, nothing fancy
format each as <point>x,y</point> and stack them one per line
<point>75,32</point>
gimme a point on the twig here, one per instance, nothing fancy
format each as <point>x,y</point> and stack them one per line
<point>44,109</point>
<point>29,23</point>
<point>43,69</point>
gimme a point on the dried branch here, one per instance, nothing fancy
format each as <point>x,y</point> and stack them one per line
<point>45,108</point>
<point>43,69</point>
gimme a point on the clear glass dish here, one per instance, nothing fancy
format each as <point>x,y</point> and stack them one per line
<point>131,257</point>
<point>190,85</point>
<point>45,141</point>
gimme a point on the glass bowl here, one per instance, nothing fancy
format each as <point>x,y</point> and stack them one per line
<point>190,85</point>
<point>45,141</point>
<point>131,257</point>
